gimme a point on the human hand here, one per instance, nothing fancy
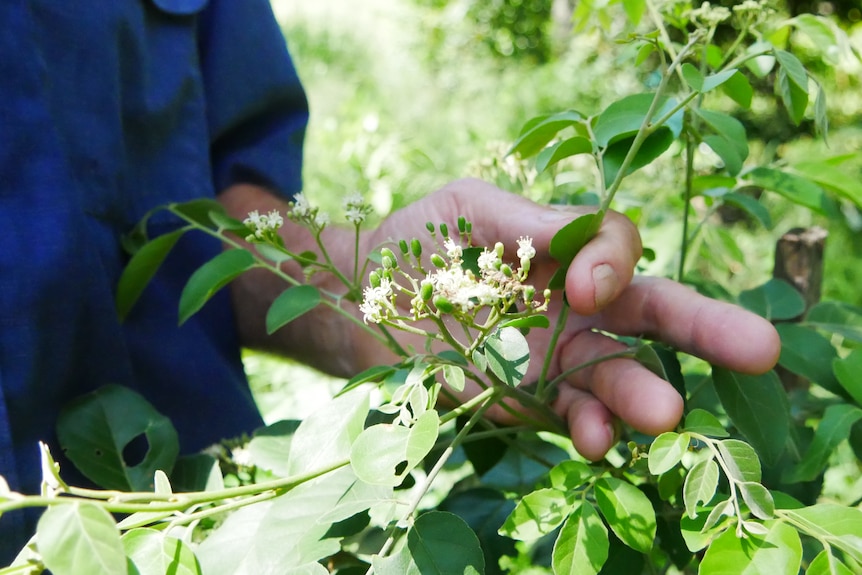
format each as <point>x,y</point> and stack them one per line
<point>601,291</point>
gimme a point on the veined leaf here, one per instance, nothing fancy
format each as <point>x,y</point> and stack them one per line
<point>700,485</point>
<point>758,407</point>
<point>155,553</point>
<point>795,188</point>
<point>441,543</point>
<point>582,546</point>
<point>561,150</point>
<point>840,526</point>
<point>537,514</point>
<point>569,475</point>
<point>778,552</point>
<point>508,355</point>
<point>291,304</point>
<point>539,131</point>
<point>384,454</point>
<point>740,460</point>
<point>758,499</point>
<point>774,300</point>
<point>827,564</point>
<point>628,512</point>
<point>80,538</point>
<point>666,451</point>
<point>211,277</point>
<point>705,423</point>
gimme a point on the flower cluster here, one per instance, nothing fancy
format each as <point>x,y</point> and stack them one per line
<point>264,227</point>
<point>708,15</point>
<point>302,212</point>
<point>356,209</point>
<point>454,287</point>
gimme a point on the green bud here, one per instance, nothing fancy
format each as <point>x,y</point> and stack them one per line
<point>469,228</point>
<point>444,230</point>
<point>386,252</point>
<point>374,279</point>
<point>438,260</point>
<point>429,226</point>
<point>529,293</point>
<point>426,290</point>
<point>507,271</point>
<point>498,249</point>
<point>402,245</point>
<point>443,305</point>
<point>388,262</point>
<point>462,224</point>
<point>416,247</point>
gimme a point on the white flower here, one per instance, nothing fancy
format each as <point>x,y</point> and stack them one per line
<point>242,456</point>
<point>355,208</point>
<point>321,219</point>
<point>376,302</point>
<point>262,226</point>
<point>453,250</point>
<point>300,206</point>
<point>488,261</point>
<point>525,248</point>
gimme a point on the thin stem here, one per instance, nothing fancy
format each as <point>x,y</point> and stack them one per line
<point>552,346</point>
<point>686,208</point>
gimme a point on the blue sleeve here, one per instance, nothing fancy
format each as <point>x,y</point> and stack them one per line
<point>256,107</point>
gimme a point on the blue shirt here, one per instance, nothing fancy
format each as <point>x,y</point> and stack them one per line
<point>107,109</point>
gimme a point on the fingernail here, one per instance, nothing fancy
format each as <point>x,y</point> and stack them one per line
<point>605,283</point>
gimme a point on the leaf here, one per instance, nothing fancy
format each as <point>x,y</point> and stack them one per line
<point>774,300</point>
<point>700,485</point>
<point>80,538</point>
<point>635,9</point>
<point>582,545</point>
<point>508,355</point>
<point>289,305</point>
<point>622,119</point>
<point>536,514</point>
<point>651,148</point>
<point>385,453</point>
<point>569,475</point>
<point>484,510</point>
<point>821,115</point>
<point>740,460</point>
<point>833,179</point>
<point>666,451</point>
<point>628,512</point>
<point>795,188</point>
<point>562,150</point>
<point>758,499</point>
<point>374,374</point>
<point>199,211</point>
<point>838,525</point>
<point>827,564</point>
<point>832,429</point>
<point>211,277</point>
<point>758,407</point>
<point>94,429</point>
<point>154,553</point>
<point>141,269</point>
<point>441,543</point>
<point>454,377</point>
<point>848,371</point>
<point>807,353</point>
<point>541,130</point>
<point>568,241</point>
<point>779,552</point>
<point>739,89</point>
<point>705,423</point>
<point>731,133</point>
<point>816,28</point>
<point>750,206</point>
<point>836,317</point>
<point>692,76</point>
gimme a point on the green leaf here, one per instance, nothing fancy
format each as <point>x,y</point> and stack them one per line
<point>94,429</point>
<point>508,355</point>
<point>569,475</point>
<point>758,499</point>
<point>817,29</point>
<point>730,141</point>
<point>836,317</point>
<point>199,211</point>
<point>652,147</point>
<point>561,150</point>
<point>80,538</point>
<point>211,277</point>
<point>289,305</point>
<point>270,446</point>
<point>750,206</point>
<point>795,188</point>
<point>833,179</point>
<point>666,451</point>
<point>582,545</point>
<point>705,423</point>
<point>807,353</point>
<point>439,543</point>
<point>484,510</point>
<point>385,453</point>
<point>739,89</point>
<point>141,269</point>
<point>536,514</point>
<point>568,241</point>
<point>374,374</point>
<point>454,377</point>
<point>774,300</point>
<point>700,485</point>
<point>832,429</point>
<point>779,552</point>
<point>541,130</point>
<point>154,553</point>
<point>692,76</point>
<point>713,81</point>
<point>838,525</point>
<point>827,564</point>
<point>821,115</point>
<point>622,119</point>
<point>628,512</point>
<point>758,407</point>
<point>635,9</point>
<point>848,371</point>
<point>740,460</point>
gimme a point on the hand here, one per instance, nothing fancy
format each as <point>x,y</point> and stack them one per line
<point>603,295</point>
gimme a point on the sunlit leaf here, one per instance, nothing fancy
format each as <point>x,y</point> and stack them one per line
<point>141,269</point>
<point>508,355</point>
<point>774,300</point>
<point>384,454</point>
<point>537,513</point>
<point>628,512</point>
<point>95,428</point>
<point>758,499</point>
<point>705,423</point>
<point>832,429</point>
<point>154,553</point>
<point>832,178</point>
<point>622,119</point>
<point>454,377</point>
<point>700,485</point>
<point>838,525</point>
<point>569,475</point>
<point>739,89</point>
<point>848,371</point>
<point>758,407</point>
<point>740,460</point>
<point>211,277</point>
<point>561,150</point>
<point>666,451</point>
<point>582,545</point>
<point>289,305</point>
<point>779,552</point>
<point>80,538</point>
<point>827,564</point>
<point>795,188</point>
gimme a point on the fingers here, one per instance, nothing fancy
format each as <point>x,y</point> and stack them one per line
<point>720,333</point>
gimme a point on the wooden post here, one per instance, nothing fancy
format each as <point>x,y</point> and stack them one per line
<point>799,261</point>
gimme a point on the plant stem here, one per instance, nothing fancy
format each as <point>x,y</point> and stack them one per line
<point>686,208</point>
<point>549,354</point>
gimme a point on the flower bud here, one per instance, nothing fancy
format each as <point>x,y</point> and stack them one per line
<point>416,247</point>
<point>529,293</point>
<point>507,271</point>
<point>498,249</point>
<point>462,224</point>
<point>388,262</point>
<point>443,305</point>
<point>444,230</point>
<point>426,290</point>
<point>402,245</point>
<point>429,226</point>
<point>374,279</point>
<point>438,260</point>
